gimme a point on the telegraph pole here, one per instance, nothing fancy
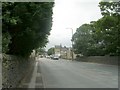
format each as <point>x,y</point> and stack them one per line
<point>60,50</point>
<point>72,43</point>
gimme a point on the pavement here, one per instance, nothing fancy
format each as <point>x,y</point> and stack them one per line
<point>48,73</point>
<point>33,78</point>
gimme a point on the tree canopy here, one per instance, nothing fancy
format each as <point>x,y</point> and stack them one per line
<point>28,24</point>
<point>100,37</point>
<point>50,51</point>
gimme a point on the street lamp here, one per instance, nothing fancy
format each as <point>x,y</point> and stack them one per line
<point>71,42</point>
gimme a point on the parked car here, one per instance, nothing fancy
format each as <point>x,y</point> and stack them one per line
<point>51,56</point>
<point>55,57</point>
<point>48,57</point>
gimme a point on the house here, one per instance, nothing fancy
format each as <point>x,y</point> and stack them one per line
<point>64,52</point>
<point>57,50</point>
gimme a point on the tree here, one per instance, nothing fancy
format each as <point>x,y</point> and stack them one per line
<point>100,37</point>
<point>107,33</point>
<point>6,40</point>
<point>50,51</point>
<point>28,24</point>
<point>83,41</point>
<point>40,51</point>
<point>109,27</point>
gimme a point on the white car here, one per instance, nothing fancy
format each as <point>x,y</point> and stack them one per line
<point>55,57</point>
<point>47,56</point>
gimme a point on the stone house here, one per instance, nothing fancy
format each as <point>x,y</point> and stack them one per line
<point>64,52</point>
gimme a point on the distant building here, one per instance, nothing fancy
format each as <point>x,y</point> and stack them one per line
<point>64,52</point>
<point>57,50</point>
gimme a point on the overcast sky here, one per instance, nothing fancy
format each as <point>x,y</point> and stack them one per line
<point>71,14</point>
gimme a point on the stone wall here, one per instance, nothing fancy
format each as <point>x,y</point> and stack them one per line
<point>113,60</point>
<point>0,71</point>
<point>14,69</point>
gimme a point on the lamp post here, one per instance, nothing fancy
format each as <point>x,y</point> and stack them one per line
<point>72,43</point>
<point>60,50</point>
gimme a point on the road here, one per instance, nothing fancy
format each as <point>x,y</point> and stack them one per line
<point>73,74</point>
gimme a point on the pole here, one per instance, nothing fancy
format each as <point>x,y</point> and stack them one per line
<point>60,50</point>
<point>72,43</point>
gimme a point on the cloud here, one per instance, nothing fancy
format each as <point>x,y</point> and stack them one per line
<point>71,14</point>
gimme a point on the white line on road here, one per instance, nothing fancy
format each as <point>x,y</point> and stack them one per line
<point>33,79</point>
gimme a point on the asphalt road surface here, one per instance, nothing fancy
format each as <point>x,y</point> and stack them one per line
<point>73,74</point>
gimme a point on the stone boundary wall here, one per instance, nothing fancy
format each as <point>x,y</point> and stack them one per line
<point>14,69</point>
<point>0,71</point>
<point>112,60</point>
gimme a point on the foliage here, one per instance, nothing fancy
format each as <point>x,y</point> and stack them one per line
<point>85,43</point>
<point>6,40</point>
<point>40,51</point>
<point>50,51</point>
<point>109,8</point>
<point>109,26</point>
<point>81,39</point>
<point>100,37</point>
<point>107,32</point>
<point>28,24</point>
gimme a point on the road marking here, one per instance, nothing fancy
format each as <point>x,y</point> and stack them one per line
<point>33,79</point>
<point>43,78</point>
